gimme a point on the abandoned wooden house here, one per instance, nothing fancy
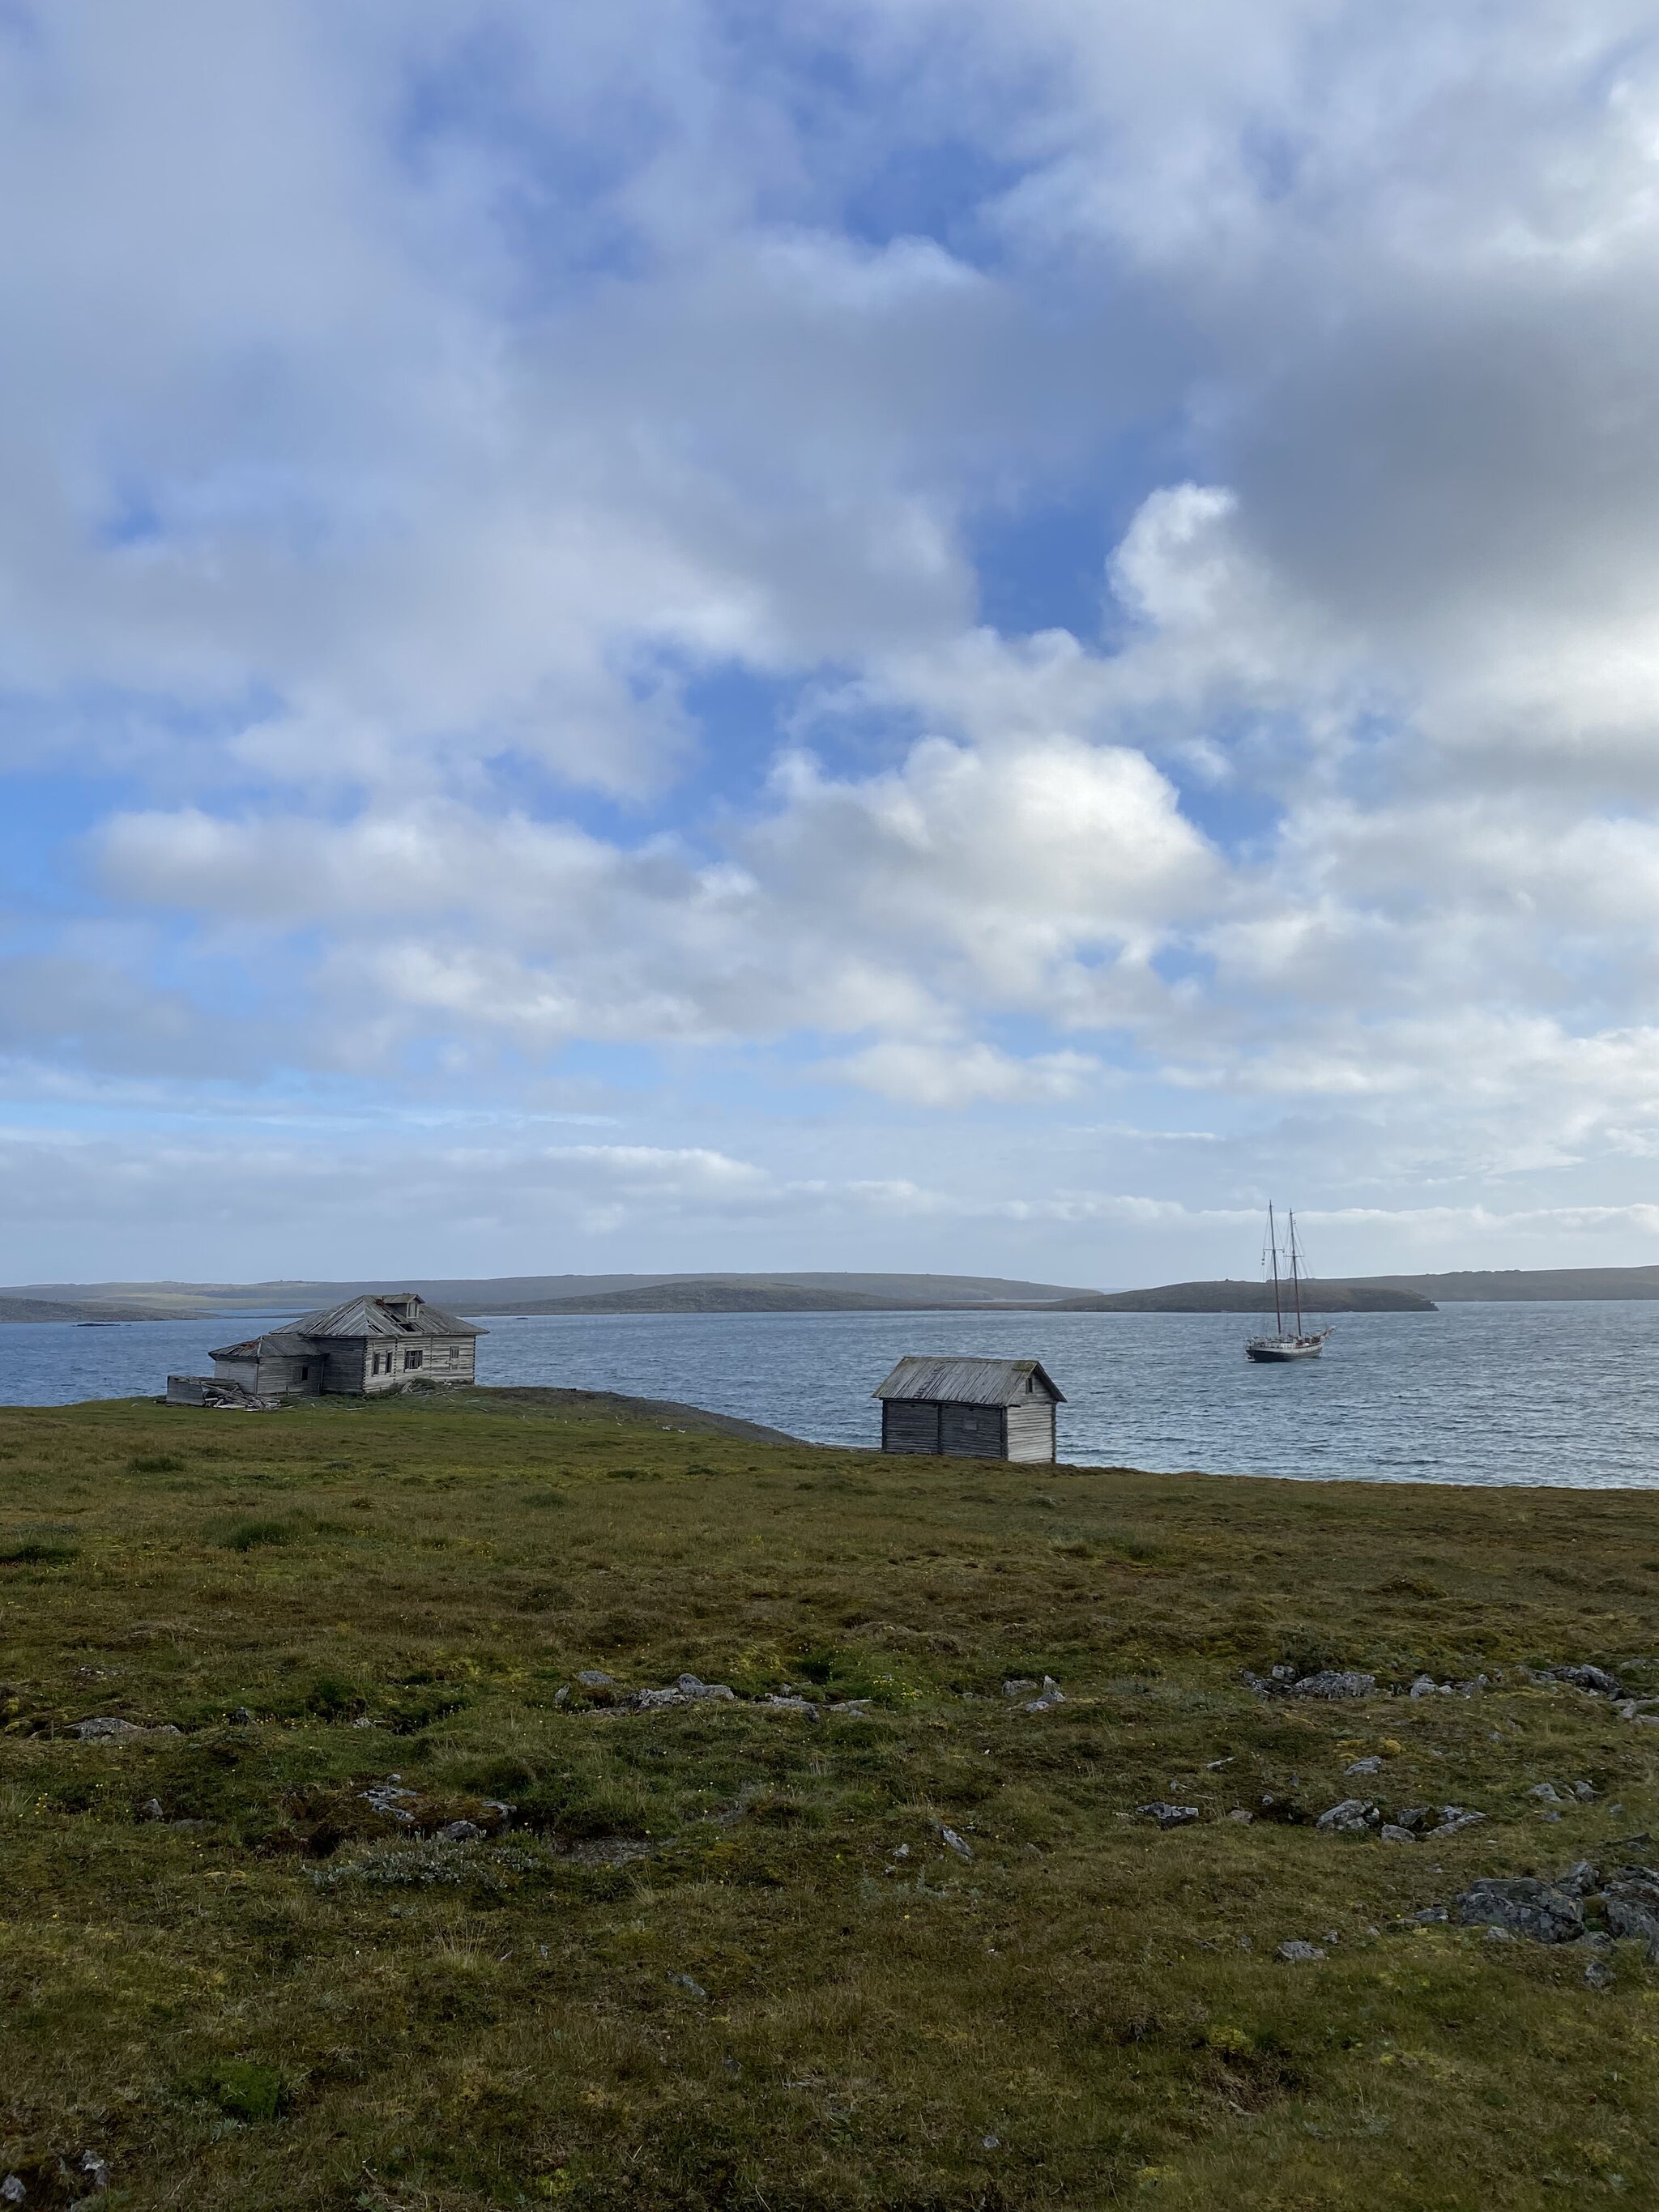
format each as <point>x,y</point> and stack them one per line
<point>971,1408</point>
<point>368,1345</point>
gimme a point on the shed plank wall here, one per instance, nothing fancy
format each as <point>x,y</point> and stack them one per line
<point>970,1431</point>
<point>1032,1429</point>
<point>909,1425</point>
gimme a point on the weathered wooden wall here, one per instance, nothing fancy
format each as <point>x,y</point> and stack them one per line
<point>1030,1428</point>
<point>970,1431</point>
<point>910,1425</point>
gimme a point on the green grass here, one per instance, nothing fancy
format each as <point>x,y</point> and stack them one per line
<point>276,1995</point>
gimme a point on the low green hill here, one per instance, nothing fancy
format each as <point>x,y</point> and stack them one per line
<point>885,1927</point>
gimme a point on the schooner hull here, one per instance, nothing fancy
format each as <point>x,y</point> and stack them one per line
<point>1275,1350</point>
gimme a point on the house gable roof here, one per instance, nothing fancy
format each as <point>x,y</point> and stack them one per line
<point>967,1381</point>
<point>406,1317</point>
<point>369,1315</point>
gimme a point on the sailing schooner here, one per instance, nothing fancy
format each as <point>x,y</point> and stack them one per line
<point>1301,1342</point>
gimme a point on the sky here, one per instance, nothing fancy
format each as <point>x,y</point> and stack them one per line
<point>911,634</point>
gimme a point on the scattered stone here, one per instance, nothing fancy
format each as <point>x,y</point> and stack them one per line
<point>1391,1832</point>
<point>152,1809</point>
<point>242,1717</point>
<point>1372,1765</point>
<point>1354,1816</point>
<point>561,1695</point>
<point>1523,1907</point>
<point>593,1678</point>
<point>1417,1818</point>
<point>1453,1817</point>
<point>1631,1901</point>
<point>1241,1816</point>
<point>1019,1686</point>
<point>1423,1686</point>
<point>1501,1936</point>
<point>1331,1682</point>
<point>1637,1710</point>
<point>685,1981</point>
<point>1167,1815</point>
<point>963,1849</point>
<point>792,1703</point>
<point>105,1728</point>
<point>1545,1790</point>
<point>12,2191</point>
<point>386,1799</point>
<point>1584,1793</point>
<point>1581,1878</point>
<point>1052,1695</point>
<point>94,2169</point>
<point>1295,1953</point>
<point>1598,1976</point>
<point>1587,1678</point>
<point>363,1720</point>
<point>502,1811</point>
<point>687,1690</point>
<point>1431,1913</point>
<point>460,1832</point>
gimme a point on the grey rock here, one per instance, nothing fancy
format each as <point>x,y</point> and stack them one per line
<point>1588,1678</point>
<point>390,1801</point>
<point>1598,1975</point>
<point>1052,1695</point>
<point>460,1832</point>
<point>1241,1816</point>
<point>363,1720</point>
<point>1333,1682</point>
<point>561,1695</point>
<point>242,1717</point>
<point>1372,1765</point>
<point>152,1809</point>
<point>1581,1878</point>
<point>1431,1913</point>
<point>1019,1686</point>
<point>12,2191</point>
<point>1501,1936</point>
<point>1630,1902</point>
<point>1391,1833</point>
<point>1167,1815</point>
<point>1523,1907</point>
<point>1354,1816</point>
<point>1295,1953</point>
<point>685,1981</point>
<point>1455,1817</point>
<point>687,1690</point>
<point>963,1849</point>
<point>105,1728</point>
<point>93,2169</point>
<point>1416,1818</point>
<point>1545,1789</point>
<point>1423,1686</point>
<point>1583,1792</point>
<point>502,1811</point>
<point>794,1703</point>
<point>595,1678</point>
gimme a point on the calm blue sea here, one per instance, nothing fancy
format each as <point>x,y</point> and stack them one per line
<point>1564,1394</point>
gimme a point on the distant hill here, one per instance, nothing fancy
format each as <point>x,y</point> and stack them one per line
<point>1249,1298</point>
<point>58,1309</point>
<point>511,1294</point>
<point>1505,1286</point>
<point>709,1295</point>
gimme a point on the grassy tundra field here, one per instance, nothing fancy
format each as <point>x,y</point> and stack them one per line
<point>725,1952</point>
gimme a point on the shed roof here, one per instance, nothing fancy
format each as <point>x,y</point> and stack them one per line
<point>967,1381</point>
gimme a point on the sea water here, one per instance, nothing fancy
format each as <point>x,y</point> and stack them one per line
<point>1551,1394</point>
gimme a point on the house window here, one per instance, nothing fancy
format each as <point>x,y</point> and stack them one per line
<point>304,1375</point>
<point>412,1358</point>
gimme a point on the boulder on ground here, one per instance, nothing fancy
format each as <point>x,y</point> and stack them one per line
<point>1522,1906</point>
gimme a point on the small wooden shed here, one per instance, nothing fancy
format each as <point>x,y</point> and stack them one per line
<point>971,1408</point>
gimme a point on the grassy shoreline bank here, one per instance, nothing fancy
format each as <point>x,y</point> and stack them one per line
<point>722,1951</point>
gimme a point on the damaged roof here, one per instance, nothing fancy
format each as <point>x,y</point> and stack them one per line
<point>404,1315</point>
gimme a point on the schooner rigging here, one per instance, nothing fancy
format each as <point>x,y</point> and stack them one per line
<point>1300,1342</point>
